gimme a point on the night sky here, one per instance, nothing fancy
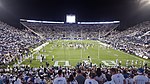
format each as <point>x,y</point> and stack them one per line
<point>129,12</point>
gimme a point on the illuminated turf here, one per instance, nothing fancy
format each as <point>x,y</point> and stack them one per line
<point>98,53</point>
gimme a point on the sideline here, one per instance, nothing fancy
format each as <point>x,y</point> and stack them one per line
<point>104,44</point>
<point>36,50</point>
<point>41,46</point>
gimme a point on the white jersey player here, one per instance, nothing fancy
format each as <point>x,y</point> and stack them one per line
<point>53,58</point>
<point>41,59</point>
<point>127,63</point>
<point>136,62</point>
<point>117,63</point>
<point>132,62</point>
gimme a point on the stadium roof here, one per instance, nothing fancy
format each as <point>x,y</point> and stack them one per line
<point>55,22</point>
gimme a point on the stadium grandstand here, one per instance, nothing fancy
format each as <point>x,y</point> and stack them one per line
<point>39,43</point>
<point>48,48</point>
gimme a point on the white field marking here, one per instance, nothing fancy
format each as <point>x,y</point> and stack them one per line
<point>77,59</point>
<point>109,63</point>
<point>41,46</point>
<point>109,51</point>
<point>116,55</point>
<point>66,63</point>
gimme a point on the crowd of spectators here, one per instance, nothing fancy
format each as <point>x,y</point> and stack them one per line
<point>74,31</point>
<point>75,75</point>
<point>13,42</point>
<point>134,40</point>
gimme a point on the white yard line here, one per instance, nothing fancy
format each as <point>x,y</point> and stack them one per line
<point>66,63</point>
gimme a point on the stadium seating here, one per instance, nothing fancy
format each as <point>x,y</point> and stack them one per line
<point>14,42</point>
<point>57,31</point>
<point>27,75</point>
<point>134,40</point>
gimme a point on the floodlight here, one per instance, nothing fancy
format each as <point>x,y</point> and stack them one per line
<point>144,3</point>
<point>70,19</point>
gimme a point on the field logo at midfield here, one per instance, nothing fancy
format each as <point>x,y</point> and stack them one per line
<point>57,63</point>
<point>109,63</point>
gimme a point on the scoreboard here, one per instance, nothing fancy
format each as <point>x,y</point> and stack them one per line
<point>70,18</point>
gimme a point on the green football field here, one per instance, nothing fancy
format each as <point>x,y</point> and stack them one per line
<point>75,51</point>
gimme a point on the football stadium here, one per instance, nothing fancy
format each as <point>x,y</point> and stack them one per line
<point>74,43</point>
<point>72,50</point>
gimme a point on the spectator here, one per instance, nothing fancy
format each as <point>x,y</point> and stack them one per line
<point>18,81</point>
<point>71,80</point>
<point>109,80</point>
<point>140,78</point>
<point>130,79</point>
<point>60,79</point>
<point>91,80</point>
<point>117,78</point>
<point>80,78</point>
<point>100,77</point>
